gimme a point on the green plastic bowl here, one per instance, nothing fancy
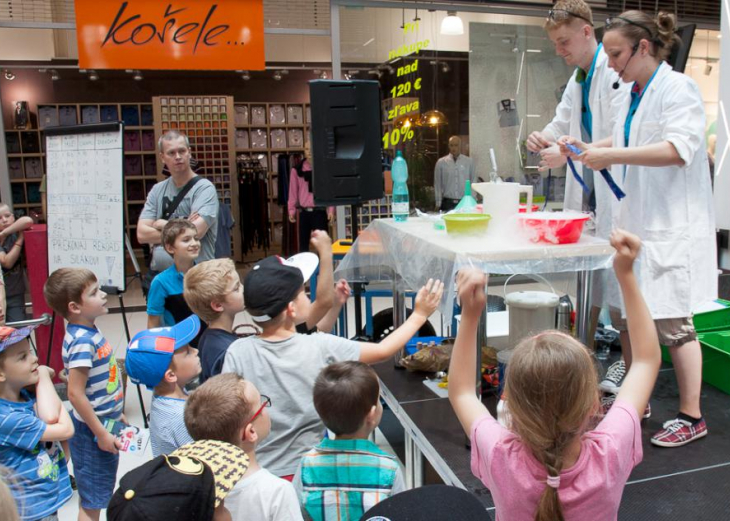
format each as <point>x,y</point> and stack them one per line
<point>467,223</point>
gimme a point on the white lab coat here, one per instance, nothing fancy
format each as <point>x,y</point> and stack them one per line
<point>670,208</point>
<point>605,104</point>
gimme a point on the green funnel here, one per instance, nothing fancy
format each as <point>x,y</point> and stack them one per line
<point>467,204</point>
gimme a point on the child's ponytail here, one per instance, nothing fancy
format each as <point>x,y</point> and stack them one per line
<point>549,508</point>
<point>552,389</point>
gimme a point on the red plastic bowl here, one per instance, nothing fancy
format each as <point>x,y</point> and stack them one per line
<point>523,208</point>
<point>553,227</point>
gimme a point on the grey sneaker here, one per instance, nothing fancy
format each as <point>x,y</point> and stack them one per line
<point>614,378</point>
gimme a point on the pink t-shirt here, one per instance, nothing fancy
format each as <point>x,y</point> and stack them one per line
<point>590,489</point>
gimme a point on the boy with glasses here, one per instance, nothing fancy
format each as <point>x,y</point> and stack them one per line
<point>230,409</point>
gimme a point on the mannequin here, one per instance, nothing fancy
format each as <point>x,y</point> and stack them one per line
<point>301,202</point>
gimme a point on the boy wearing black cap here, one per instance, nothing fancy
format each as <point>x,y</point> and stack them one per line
<point>163,360</point>
<point>284,364</point>
<point>27,423</point>
<point>189,484</point>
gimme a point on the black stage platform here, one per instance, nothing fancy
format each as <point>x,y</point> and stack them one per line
<point>690,482</point>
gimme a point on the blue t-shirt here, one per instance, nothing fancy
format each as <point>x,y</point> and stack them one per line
<point>167,425</point>
<point>40,474</point>
<point>213,344</point>
<point>86,347</point>
<point>161,298</point>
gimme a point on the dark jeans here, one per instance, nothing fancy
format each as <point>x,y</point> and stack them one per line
<point>308,222</point>
<point>15,309</point>
<point>448,204</point>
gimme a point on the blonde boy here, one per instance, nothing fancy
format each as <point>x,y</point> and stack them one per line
<point>230,409</point>
<point>28,422</point>
<point>214,292</point>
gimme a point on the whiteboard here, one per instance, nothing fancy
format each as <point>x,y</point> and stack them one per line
<point>85,196</point>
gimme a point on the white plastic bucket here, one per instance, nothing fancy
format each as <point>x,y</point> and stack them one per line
<point>530,312</point>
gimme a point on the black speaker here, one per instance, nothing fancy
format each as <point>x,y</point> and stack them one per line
<point>346,142</point>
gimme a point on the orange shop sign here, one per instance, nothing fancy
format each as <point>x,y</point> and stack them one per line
<point>170,34</point>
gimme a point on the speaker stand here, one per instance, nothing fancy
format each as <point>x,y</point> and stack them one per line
<point>357,286</point>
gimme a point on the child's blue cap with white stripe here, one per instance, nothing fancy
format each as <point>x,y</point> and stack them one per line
<point>150,352</point>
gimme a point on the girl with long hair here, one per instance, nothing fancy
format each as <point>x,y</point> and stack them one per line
<point>554,463</point>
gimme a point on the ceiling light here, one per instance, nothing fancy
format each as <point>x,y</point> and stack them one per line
<point>138,76</point>
<point>445,67</point>
<point>93,76</point>
<point>534,50</point>
<point>433,118</point>
<point>246,76</point>
<point>317,72</point>
<point>323,76</point>
<point>54,75</point>
<point>277,76</point>
<point>9,75</point>
<point>353,72</point>
<point>452,24</point>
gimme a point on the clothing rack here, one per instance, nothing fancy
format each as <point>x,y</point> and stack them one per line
<point>253,204</point>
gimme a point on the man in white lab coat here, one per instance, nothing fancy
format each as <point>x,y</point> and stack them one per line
<point>587,111</point>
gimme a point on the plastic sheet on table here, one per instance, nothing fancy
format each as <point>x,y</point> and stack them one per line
<point>409,253</point>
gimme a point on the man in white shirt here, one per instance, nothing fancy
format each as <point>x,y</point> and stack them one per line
<point>451,174</point>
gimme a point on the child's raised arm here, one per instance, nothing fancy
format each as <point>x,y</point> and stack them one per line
<point>427,300</point>
<point>645,353</point>
<point>325,297</point>
<point>50,409</point>
<point>463,369</point>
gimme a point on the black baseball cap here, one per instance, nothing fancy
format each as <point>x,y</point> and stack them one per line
<point>432,502</point>
<point>186,485</point>
<point>274,282</point>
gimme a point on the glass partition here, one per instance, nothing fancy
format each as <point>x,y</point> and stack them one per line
<point>491,86</point>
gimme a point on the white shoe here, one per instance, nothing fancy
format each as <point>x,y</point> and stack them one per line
<point>614,378</point>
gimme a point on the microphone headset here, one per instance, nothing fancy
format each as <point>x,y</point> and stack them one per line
<point>620,74</point>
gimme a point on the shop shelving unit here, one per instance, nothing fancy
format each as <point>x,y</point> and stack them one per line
<point>26,153</point>
<point>266,130</point>
<point>206,120</point>
<point>367,213</point>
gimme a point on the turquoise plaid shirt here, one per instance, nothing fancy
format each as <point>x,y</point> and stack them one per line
<point>342,479</point>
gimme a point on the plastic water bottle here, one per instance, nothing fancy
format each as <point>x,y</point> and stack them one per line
<point>399,173</point>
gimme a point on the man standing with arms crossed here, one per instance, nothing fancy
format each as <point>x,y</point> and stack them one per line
<point>183,195</point>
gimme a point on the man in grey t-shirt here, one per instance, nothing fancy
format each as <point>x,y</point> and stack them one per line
<point>200,204</point>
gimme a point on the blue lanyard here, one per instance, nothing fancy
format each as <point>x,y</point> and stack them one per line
<point>604,173</point>
<point>586,81</point>
<point>636,98</point>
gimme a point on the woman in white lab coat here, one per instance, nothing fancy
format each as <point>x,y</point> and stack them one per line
<point>657,153</point>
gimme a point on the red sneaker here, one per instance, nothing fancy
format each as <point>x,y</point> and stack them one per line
<point>676,433</point>
<point>647,412</point>
<point>608,400</point>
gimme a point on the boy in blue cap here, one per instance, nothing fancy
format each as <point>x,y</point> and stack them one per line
<point>27,424</point>
<point>163,360</point>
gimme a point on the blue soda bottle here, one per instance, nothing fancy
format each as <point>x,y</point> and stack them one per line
<point>399,173</point>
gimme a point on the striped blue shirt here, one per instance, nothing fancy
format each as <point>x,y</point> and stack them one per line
<point>167,425</point>
<point>86,347</point>
<point>41,484</point>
